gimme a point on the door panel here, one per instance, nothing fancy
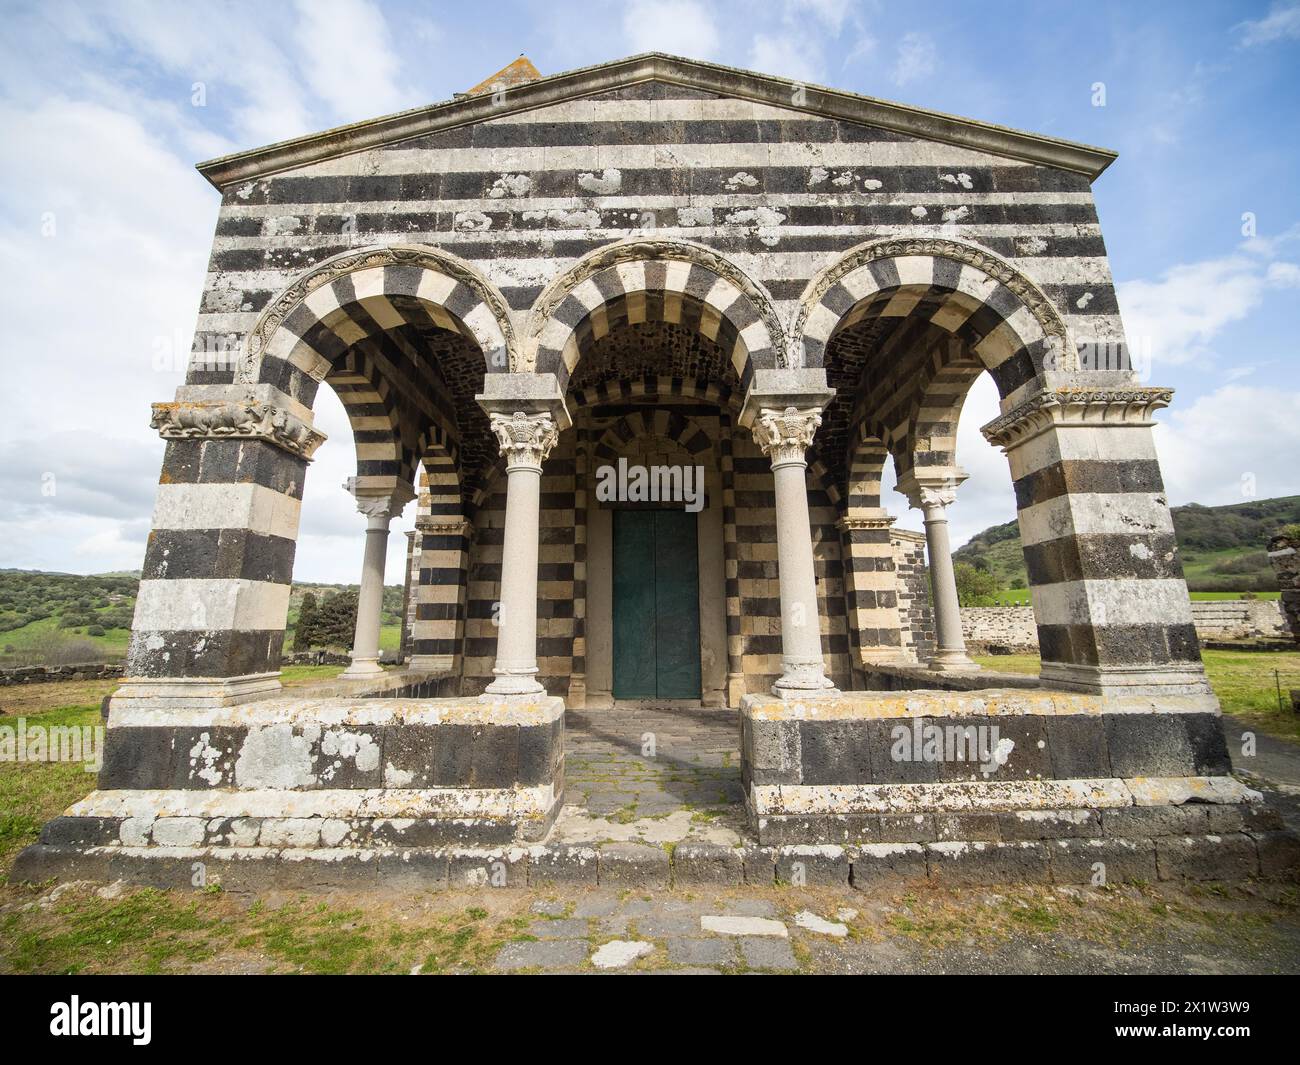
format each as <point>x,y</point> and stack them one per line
<point>677,606</point>
<point>656,605</point>
<point>634,604</point>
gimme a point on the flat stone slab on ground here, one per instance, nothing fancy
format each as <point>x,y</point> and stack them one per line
<point>743,926</point>
<point>618,953</point>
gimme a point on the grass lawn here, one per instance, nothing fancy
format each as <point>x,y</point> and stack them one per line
<point>1244,681</point>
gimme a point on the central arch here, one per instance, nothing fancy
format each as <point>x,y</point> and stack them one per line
<point>648,280</point>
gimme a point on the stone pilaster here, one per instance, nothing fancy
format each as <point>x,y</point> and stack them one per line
<point>871,589</point>
<point>214,591</point>
<point>438,629</point>
<point>1111,604</point>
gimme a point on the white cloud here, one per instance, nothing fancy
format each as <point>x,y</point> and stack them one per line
<point>682,27</point>
<point>787,55</point>
<point>1231,445</point>
<point>346,54</point>
<point>1175,320</point>
<point>1281,23</point>
<point>916,60</point>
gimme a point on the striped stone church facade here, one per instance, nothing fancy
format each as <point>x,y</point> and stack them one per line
<point>671,263</point>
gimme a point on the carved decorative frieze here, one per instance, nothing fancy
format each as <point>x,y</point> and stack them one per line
<point>784,436</point>
<point>331,269</point>
<point>246,418</point>
<point>525,439</point>
<point>866,524</point>
<point>1098,407</point>
<point>937,247</point>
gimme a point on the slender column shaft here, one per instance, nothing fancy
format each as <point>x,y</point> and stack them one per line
<point>370,599</point>
<point>943,583</point>
<point>525,440</point>
<point>932,496</point>
<point>785,436</point>
<point>379,511</point>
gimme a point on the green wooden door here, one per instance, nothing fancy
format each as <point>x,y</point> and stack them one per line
<point>656,605</point>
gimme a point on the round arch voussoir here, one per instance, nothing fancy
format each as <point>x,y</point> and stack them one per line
<point>864,272</point>
<point>471,303</point>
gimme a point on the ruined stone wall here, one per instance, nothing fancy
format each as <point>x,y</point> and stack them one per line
<point>913,593</point>
<point>1013,627</point>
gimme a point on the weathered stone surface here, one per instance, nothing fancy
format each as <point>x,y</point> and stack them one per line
<point>1279,854</point>
<point>707,863</point>
<point>1102,861</point>
<point>988,863</point>
<point>563,864</point>
<point>877,862</point>
<point>1229,857</point>
<point>807,865</point>
<point>633,865</point>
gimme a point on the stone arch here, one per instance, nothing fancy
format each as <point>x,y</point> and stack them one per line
<point>669,425</point>
<point>621,391</point>
<point>359,294</point>
<point>654,279</point>
<point>1005,318</point>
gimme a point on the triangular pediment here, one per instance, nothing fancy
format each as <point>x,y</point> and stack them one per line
<point>655,67</point>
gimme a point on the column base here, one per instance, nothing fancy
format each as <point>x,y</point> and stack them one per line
<point>948,661</point>
<point>362,668</point>
<point>577,697</point>
<point>735,689</point>
<point>1186,679</point>
<point>168,693</point>
<point>521,682</point>
<point>803,680</point>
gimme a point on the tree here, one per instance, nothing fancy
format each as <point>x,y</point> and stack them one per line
<point>975,587</point>
<point>331,624</point>
<point>304,632</point>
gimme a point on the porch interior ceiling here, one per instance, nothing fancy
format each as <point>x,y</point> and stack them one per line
<point>433,375</point>
<point>633,352</point>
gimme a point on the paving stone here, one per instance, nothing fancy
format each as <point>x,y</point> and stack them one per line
<point>550,907</point>
<point>595,906</point>
<point>559,928</point>
<point>546,954</point>
<point>728,925</point>
<point>702,951</point>
<point>620,953</point>
<point>772,954</point>
<point>811,922</point>
<point>659,926</point>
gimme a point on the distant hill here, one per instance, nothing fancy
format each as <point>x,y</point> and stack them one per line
<point>1222,547</point>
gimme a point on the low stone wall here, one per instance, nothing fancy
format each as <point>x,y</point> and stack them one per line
<point>1011,629</point>
<point>41,674</point>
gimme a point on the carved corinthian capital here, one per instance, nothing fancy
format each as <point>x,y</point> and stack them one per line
<point>785,435</point>
<point>247,419</point>
<point>525,439</point>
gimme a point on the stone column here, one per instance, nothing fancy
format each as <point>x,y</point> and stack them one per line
<point>379,511</point>
<point>784,436</point>
<point>526,440</point>
<point>932,495</point>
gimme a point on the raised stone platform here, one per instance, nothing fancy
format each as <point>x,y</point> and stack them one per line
<point>636,817</point>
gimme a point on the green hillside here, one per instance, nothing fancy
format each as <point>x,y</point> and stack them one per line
<point>70,618</point>
<point>1223,548</point>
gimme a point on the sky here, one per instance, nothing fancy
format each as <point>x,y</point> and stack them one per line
<point>105,226</point>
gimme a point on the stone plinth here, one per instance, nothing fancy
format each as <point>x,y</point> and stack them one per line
<point>993,774</point>
<point>1284,554</point>
<point>333,774</point>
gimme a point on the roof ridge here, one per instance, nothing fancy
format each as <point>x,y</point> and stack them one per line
<point>657,66</point>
